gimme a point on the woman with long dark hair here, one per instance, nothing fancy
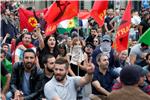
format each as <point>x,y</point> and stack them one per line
<point>47,46</point>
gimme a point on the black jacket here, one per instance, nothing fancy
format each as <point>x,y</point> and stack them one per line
<point>35,80</point>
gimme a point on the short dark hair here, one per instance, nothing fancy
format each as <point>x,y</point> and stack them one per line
<point>44,60</point>
<point>28,33</point>
<point>29,50</point>
<point>133,11</point>
<point>143,44</point>
<point>130,75</point>
<point>5,44</point>
<point>148,54</point>
<point>2,51</point>
<point>93,28</point>
<point>62,60</point>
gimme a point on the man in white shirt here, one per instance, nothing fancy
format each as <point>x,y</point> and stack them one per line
<point>63,87</point>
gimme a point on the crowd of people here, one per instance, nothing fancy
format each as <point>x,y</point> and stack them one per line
<point>61,66</point>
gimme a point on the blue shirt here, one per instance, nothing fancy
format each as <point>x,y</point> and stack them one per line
<point>25,84</point>
<point>111,58</point>
<point>106,80</point>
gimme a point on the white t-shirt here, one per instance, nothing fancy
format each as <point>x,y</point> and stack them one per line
<point>68,91</point>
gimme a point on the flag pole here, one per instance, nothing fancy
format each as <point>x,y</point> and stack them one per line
<point>78,35</point>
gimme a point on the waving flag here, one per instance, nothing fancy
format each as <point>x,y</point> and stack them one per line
<point>59,11</point>
<point>27,19</point>
<point>145,38</point>
<point>67,25</point>
<point>98,11</point>
<point>123,30</point>
<point>84,14</point>
<point>50,29</point>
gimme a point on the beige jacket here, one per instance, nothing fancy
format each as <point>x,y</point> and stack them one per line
<point>128,93</point>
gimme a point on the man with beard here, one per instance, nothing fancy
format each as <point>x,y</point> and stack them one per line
<point>103,78</point>
<point>63,87</point>
<point>49,62</point>
<point>92,35</point>
<point>26,77</point>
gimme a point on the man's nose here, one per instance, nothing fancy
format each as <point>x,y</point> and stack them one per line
<point>57,71</point>
<point>29,59</point>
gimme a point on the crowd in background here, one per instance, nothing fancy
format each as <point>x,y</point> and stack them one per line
<point>37,53</point>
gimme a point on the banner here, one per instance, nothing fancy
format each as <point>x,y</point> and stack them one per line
<point>123,30</point>
<point>145,38</point>
<point>98,11</point>
<point>27,19</point>
<point>59,11</point>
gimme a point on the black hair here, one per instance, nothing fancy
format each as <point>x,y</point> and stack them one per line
<point>133,11</point>
<point>2,51</point>
<point>3,11</point>
<point>147,56</point>
<point>45,58</point>
<point>145,14</point>
<point>26,34</point>
<point>47,48</point>
<point>143,44</point>
<point>18,40</point>
<point>87,44</point>
<point>130,75</point>
<point>29,50</point>
<point>64,47</point>
<point>94,28</point>
<point>5,44</point>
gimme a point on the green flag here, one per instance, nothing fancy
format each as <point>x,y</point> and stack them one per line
<point>67,25</point>
<point>145,38</point>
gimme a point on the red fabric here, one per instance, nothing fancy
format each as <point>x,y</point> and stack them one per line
<point>27,46</point>
<point>50,29</point>
<point>84,14</point>
<point>59,11</point>
<point>13,46</point>
<point>116,86</point>
<point>123,30</point>
<point>98,11</point>
<point>25,16</point>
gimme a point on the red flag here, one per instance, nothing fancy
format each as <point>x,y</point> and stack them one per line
<point>27,19</point>
<point>58,11</point>
<point>98,11</point>
<point>50,29</point>
<point>84,14</point>
<point>61,10</point>
<point>123,30</point>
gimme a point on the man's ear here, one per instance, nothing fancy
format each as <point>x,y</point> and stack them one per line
<point>67,70</point>
<point>44,65</point>
<point>98,62</point>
